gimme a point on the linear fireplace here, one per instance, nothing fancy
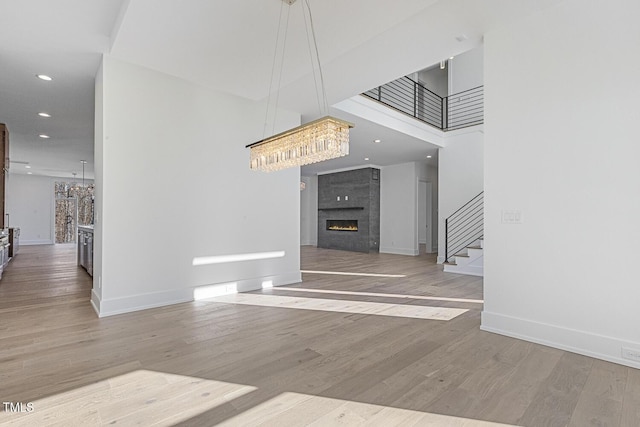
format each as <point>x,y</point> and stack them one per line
<point>342,224</point>
<point>349,210</point>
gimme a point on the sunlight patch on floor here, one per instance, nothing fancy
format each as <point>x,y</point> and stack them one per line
<point>138,398</point>
<point>296,409</point>
<point>377,294</point>
<point>343,306</point>
<point>346,273</point>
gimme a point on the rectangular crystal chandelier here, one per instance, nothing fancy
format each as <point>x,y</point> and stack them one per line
<point>323,139</point>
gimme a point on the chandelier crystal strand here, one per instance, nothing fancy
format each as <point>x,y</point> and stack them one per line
<point>323,139</point>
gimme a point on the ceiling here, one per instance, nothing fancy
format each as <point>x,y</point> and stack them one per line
<point>62,39</point>
<point>228,46</point>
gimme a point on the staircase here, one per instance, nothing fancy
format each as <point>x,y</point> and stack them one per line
<point>468,261</point>
<point>464,239</point>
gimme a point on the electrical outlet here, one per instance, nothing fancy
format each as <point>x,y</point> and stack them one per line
<point>628,353</point>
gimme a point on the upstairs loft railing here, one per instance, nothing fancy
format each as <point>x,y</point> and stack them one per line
<point>464,226</point>
<point>446,113</point>
<point>465,108</point>
<point>410,97</point>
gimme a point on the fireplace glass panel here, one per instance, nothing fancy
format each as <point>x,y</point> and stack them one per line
<point>342,224</point>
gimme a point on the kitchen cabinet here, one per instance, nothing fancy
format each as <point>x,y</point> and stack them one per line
<point>14,241</point>
<point>85,247</point>
<point>4,250</point>
<point>4,163</point>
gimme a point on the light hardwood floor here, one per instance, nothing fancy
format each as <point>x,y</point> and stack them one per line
<point>216,362</point>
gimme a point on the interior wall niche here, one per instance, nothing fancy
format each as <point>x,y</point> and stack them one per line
<point>349,210</point>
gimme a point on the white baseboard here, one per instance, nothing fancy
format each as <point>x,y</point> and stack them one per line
<point>580,342</point>
<point>278,280</point>
<point>35,242</point>
<point>465,269</point>
<point>114,306</point>
<point>440,259</point>
<point>95,302</point>
<point>399,251</point>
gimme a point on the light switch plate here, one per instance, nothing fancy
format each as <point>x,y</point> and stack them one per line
<point>512,217</point>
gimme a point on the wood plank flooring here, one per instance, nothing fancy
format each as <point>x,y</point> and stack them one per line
<point>206,363</point>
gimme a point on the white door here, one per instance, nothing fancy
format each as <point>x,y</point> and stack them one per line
<point>425,235</point>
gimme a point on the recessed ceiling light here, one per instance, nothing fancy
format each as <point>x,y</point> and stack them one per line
<point>428,157</point>
<point>366,158</point>
<point>42,135</point>
<point>84,162</point>
<point>376,141</point>
<point>44,114</point>
<point>27,166</point>
<point>451,57</point>
<point>29,173</point>
<point>44,77</point>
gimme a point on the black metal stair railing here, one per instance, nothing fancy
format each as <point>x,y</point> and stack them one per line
<point>465,108</point>
<point>464,227</point>
<point>445,113</point>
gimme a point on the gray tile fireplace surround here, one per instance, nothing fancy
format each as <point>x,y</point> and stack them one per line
<point>350,196</point>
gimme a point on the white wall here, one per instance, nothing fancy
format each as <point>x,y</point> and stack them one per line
<point>176,184</point>
<point>98,157</point>
<point>562,147</point>
<point>466,71</point>
<point>398,209</point>
<point>30,204</point>
<point>460,175</point>
<point>309,211</point>
<point>436,80</point>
